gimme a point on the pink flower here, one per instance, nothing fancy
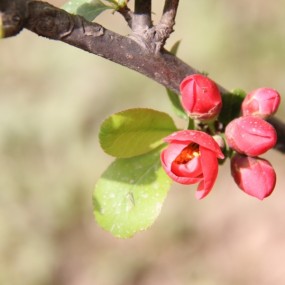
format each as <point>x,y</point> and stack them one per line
<point>262,102</point>
<point>253,175</point>
<point>191,157</point>
<point>250,135</point>
<point>200,97</point>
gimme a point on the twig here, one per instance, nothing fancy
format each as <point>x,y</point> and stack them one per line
<point>142,31</point>
<point>165,26</point>
<point>127,14</point>
<point>142,16</point>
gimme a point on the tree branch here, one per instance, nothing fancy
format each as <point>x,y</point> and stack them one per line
<point>167,21</point>
<point>142,16</point>
<point>12,16</point>
<point>127,14</point>
<point>142,23</point>
<point>53,23</point>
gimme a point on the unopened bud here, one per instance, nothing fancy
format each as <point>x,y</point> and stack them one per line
<point>262,102</point>
<point>255,176</point>
<point>201,97</point>
<point>250,135</point>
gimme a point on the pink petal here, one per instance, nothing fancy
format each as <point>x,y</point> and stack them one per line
<point>210,171</point>
<point>193,168</point>
<point>250,135</point>
<point>170,153</point>
<point>181,174</point>
<point>200,138</point>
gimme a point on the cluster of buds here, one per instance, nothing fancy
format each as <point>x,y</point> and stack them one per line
<point>251,136</point>
<point>192,155</point>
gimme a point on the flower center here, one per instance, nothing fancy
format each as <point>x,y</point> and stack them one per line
<point>188,153</point>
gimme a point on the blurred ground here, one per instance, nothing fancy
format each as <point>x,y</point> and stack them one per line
<point>53,98</point>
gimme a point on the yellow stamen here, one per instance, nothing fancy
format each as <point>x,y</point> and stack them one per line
<point>188,153</point>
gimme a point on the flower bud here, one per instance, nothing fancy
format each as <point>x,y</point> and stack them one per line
<point>192,157</point>
<point>255,176</point>
<point>201,97</point>
<point>262,102</point>
<point>250,135</point>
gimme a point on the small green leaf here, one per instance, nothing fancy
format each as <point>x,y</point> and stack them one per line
<point>130,194</point>
<point>176,104</point>
<point>175,47</point>
<point>89,9</point>
<point>231,105</point>
<point>134,132</point>
<point>2,34</point>
<point>118,3</point>
<point>173,97</point>
<point>239,92</point>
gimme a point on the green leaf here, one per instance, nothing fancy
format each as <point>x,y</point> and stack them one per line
<point>175,47</point>
<point>89,9</point>
<point>134,132</point>
<point>130,194</point>
<point>2,34</point>
<point>173,97</point>
<point>231,105</point>
<point>176,104</point>
<point>118,3</point>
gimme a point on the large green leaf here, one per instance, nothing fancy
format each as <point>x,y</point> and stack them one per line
<point>134,132</point>
<point>89,9</point>
<point>129,195</point>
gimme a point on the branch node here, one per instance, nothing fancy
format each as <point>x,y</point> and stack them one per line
<point>49,21</point>
<point>142,14</point>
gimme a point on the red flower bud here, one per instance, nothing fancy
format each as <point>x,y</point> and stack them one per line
<point>200,97</point>
<point>255,176</point>
<point>262,102</point>
<point>250,135</point>
<point>191,157</point>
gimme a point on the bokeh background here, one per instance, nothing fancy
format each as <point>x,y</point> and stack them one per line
<point>53,98</point>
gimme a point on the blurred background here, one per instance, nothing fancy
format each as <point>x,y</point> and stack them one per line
<point>53,98</point>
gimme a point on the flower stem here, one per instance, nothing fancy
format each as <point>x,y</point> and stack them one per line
<point>191,124</point>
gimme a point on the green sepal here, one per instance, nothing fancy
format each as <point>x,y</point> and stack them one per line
<point>231,105</point>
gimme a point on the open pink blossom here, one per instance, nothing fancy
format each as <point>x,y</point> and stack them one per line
<point>201,97</point>
<point>262,102</point>
<point>255,176</point>
<point>191,157</point>
<point>250,135</point>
